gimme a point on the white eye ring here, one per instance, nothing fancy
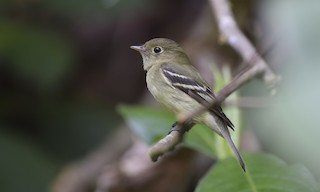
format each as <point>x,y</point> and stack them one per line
<point>157,50</point>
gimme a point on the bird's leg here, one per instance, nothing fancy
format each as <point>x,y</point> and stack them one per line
<point>185,127</point>
<point>174,127</point>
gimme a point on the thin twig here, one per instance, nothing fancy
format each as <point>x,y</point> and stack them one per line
<point>238,81</point>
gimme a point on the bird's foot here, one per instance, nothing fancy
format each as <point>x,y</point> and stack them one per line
<point>184,128</point>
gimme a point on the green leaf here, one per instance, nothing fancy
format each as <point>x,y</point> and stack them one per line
<point>148,123</point>
<point>265,173</point>
<point>219,81</point>
<point>233,113</point>
<point>152,124</point>
<point>201,138</point>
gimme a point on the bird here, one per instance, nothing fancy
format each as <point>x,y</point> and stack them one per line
<point>176,84</point>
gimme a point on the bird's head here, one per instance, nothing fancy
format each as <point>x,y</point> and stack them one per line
<point>161,50</point>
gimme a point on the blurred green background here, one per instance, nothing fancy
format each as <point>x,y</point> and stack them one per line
<point>65,65</point>
<point>290,128</point>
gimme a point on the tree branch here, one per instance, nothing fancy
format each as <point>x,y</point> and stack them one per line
<point>166,144</point>
<point>236,39</point>
<point>256,67</point>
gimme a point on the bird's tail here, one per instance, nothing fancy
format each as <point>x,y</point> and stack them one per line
<point>225,133</point>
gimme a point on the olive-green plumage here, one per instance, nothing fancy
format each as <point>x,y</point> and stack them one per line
<point>177,85</point>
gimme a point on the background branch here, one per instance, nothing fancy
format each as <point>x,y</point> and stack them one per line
<point>257,66</point>
<point>247,102</point>
<point>231,33</point>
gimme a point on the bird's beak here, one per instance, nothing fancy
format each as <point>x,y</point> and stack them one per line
<point>138,48</point>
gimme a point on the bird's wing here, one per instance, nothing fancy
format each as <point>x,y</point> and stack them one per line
<point>184,79</point>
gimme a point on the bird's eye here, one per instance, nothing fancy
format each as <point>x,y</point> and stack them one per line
<point>157,50</point>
